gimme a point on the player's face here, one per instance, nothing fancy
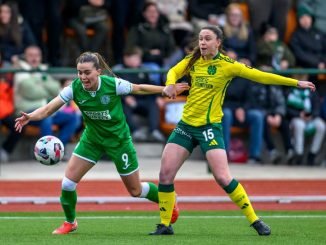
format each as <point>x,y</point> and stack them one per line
<point>208,43</point>
<point>88,75</point>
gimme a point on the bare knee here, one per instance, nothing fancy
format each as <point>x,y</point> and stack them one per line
<point>166,176</point>
<point>223,180</point>
<point>134,191</point>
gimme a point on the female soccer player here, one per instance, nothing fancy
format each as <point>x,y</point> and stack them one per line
<point>98,98</point>
<point>210,72</point>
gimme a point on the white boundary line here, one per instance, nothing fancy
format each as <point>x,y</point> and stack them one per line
<point>156,217</point>
<point>181,199</point>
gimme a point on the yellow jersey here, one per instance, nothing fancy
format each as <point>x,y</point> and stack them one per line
<point>209,81</point>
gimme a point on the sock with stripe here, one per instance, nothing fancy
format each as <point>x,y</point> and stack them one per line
<point>239,196</point>
<point>68,201</point>
<point>149,191</point>
<point>166,196</point>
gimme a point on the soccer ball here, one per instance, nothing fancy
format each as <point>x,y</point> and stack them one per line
<point>49,150</point>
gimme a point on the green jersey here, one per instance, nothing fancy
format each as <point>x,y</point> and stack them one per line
<point>101,109</point>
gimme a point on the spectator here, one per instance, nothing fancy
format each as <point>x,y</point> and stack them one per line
<point>208,12</point>
<point>271,101</point>
<point>273,53</point>
<point>39,13</point>
<point>303,108</point>
<point>141,105</point>
<point>15,34</point>
<point>240,45</point>
<point>272,12</point>
<point>84,14</point>
<point>237,112</point>
<point>318,10</point>
<point>124,14</point>
<point>176,13</point>
<point>7,116</point>
<point>308,44</point>
<point>34,89</point>
<point>153,36</point>
<point>239,42</point>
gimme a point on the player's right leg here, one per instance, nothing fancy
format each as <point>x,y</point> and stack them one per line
<point>172,159</point>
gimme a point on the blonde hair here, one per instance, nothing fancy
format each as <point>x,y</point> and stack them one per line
<point>242,31</point>
<point>96,59</point>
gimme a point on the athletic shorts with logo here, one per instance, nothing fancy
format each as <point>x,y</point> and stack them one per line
<point>208,137</point>
<point>124,156</point>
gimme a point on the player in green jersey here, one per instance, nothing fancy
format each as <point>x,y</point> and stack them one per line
<point>210,72</point>
<point>106,131</point>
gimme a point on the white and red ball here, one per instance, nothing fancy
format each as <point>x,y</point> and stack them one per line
<point>49,150</point>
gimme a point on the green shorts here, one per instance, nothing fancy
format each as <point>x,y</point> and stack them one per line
<point>124,156</point>
<point>209,136</point>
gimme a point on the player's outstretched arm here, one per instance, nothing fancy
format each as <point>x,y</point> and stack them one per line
<point>38,114</point>
<point>153,89</point>
<point>306,84</point>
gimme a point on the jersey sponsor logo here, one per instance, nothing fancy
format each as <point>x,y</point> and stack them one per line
<point>98,115</point>
<point>213,142</point>
<point>105,99</point>
<point>181,132</point>
<point>202,82</point>
<point>211,70</point>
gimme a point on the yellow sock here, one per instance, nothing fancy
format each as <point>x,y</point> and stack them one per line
<point>166,196</point>
<point>239,196</point>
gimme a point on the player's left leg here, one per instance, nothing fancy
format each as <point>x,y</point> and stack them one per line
<point>217,161</point>
<point>76,169</point>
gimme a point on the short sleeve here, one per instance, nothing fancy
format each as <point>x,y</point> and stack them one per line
<point>66,94</point>
<point>123,87</point>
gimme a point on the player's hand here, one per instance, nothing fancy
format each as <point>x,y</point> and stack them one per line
<point>170,91</point>
<point>307,84</point>
<point>181,87</point>
<point>21,121</point>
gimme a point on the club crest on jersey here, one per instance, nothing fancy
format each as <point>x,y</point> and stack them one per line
<point>211,70</point>
<point>105,99</point>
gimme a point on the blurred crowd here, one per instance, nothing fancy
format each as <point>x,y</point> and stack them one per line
<point>156,34</point>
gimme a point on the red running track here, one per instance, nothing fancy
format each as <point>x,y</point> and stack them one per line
<point>183,188</point>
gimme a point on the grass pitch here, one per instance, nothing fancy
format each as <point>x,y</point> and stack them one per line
<point>228,227</point>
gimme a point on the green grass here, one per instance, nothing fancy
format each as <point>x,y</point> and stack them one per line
<point>192,228</point>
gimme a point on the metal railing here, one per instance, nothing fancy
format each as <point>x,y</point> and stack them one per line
<point>71,70</point>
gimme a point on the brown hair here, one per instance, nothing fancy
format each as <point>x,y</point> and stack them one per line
<point>195,55</point>
<point>13,28</point>
<point>96,59</point>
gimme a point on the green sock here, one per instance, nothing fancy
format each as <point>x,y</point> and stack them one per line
<point>68,201</point>
<point>153,192</point>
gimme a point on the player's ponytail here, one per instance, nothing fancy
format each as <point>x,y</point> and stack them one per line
<point>195,55</point>
<point>96,59</point>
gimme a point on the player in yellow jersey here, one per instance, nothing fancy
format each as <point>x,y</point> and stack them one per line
<point>210,72</point>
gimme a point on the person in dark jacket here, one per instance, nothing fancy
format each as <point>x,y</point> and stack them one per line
<point>271,101</point>
<point>153,36</point>
<point>146,106</point>
<point>15,35</point>
<point>237,112</point>
<point>308,44</point>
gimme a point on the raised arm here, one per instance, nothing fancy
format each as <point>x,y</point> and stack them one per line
<point>38,114</point>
